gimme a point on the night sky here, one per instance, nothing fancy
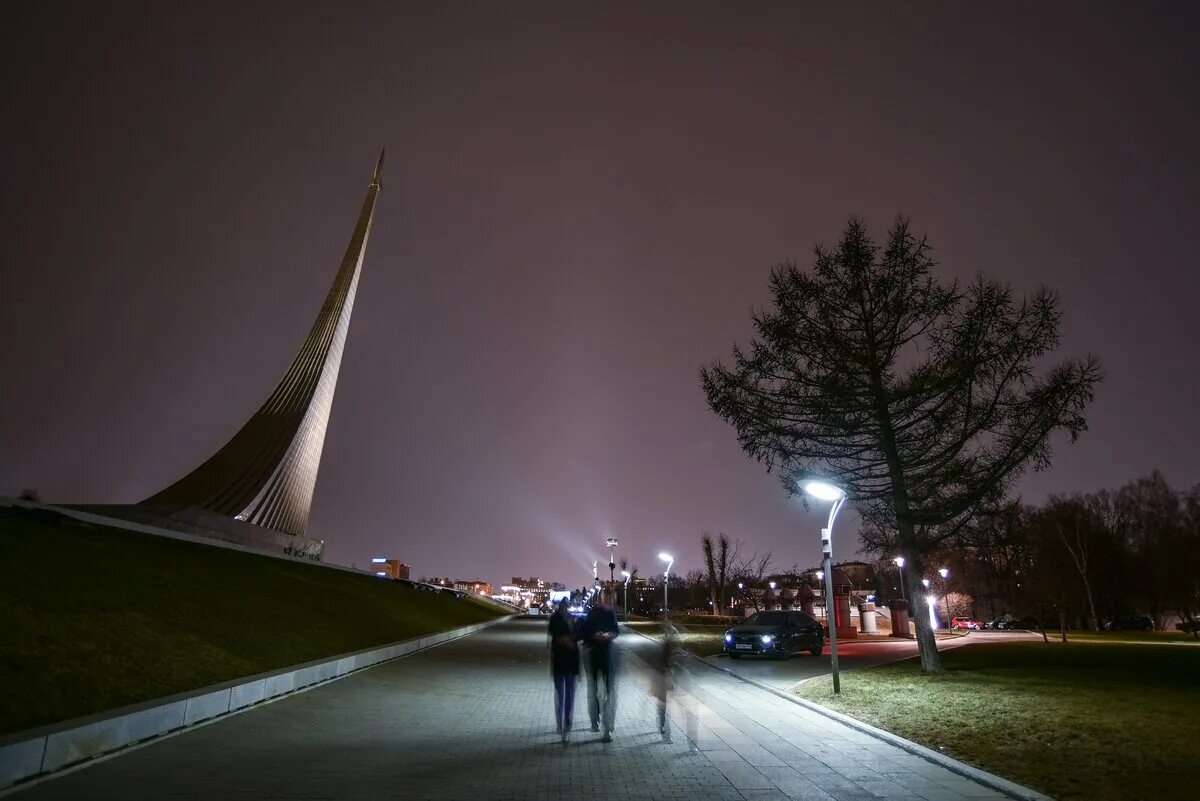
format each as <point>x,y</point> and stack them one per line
<point>580,206</point>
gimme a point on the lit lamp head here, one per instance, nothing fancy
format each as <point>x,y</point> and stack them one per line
<point>899,560</point>
<point>925,582</point>
<point>772,584</point>
<point>822,490</point>
<point>943,572</point>
<point>666,557</point>
<point>820,575</point>
<point>625,575</point>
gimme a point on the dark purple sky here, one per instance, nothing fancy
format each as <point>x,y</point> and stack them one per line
<point>580,206</point>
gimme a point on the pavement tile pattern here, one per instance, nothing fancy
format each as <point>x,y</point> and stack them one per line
<point>474,719</point>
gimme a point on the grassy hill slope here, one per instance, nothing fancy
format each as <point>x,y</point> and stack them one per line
<point>93,618</point>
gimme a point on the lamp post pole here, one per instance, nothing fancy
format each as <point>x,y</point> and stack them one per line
<point>625,573</point>
<point>828,492</point>
<point>611,542</point>
<point>670,560</point>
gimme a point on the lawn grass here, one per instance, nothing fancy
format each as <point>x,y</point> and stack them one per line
<point>93,618</point>
<point>1126,636</point>
<point>700,639</point>
<point>1083,720</point>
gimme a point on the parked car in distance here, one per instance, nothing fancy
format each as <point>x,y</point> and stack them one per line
<point>1129,623</point>
<point>1012,623</point>
<point>965,623</point>
<point>1188,625</point>
<point>777,634</point>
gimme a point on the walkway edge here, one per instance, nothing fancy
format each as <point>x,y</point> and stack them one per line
<point>991,780</point>
<point>39,753</point>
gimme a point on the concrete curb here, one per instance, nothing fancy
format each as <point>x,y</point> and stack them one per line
<point>38,753</point>
<point>997,783</point>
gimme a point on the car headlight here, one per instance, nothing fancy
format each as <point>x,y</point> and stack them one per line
<point>728,638</point>
<point>767,639</point>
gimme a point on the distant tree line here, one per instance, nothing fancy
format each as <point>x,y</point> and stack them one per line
<point>1076,560</point>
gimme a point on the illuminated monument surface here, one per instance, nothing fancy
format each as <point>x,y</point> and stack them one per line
<point>258,488</point>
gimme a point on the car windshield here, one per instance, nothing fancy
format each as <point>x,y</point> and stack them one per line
<point>767,619</point>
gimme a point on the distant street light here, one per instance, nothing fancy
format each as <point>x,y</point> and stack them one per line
<point>772,584</point>
<point>625,573</point>
<point>828,492</point>
<point>670,560</point>
<point>899,560</point>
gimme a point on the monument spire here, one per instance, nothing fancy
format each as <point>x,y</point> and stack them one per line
<point>267,473</point>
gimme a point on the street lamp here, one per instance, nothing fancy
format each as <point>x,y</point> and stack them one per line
<point>828,492</point>
<point>670,560</point>
<point>625,573</point>
<point>899,560</point>
<point>930,601</point>
<point>943,572</point>
<point>611,543</point>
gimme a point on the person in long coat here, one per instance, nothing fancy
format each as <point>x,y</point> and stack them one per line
<point>564,667</point>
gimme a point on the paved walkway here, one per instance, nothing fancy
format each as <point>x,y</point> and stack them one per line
<point>473,719</point>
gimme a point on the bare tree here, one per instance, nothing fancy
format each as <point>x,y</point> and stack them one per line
<point>724,557</point>
<point>917,397</point>
<point>710,565</point>
<point>751,571</point>
<point>1069,519</point>
<point>1187,587</point>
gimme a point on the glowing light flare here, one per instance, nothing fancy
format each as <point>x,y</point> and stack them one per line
<point>822,490</point>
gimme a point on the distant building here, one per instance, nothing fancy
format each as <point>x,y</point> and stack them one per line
<point>475,587</point>
<point>392,568</point>
<point>531,592</point>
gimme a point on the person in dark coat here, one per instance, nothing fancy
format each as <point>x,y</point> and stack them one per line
<point>598,632</point>
<point>564,666</point>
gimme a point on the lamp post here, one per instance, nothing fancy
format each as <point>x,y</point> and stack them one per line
<point>611,543</point>
<point>899,560</point>
<point>670,560</point>
<point>625,573</point>
<point>827,492</point>
<point>943,572</point>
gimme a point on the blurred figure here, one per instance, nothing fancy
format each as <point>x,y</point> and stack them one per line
<point>564,666</point>
<point>671,679</point>
<point>598,632</point>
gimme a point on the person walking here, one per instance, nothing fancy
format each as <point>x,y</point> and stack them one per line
<point>564,667</point>
<point>671,677</point>
<point>598,633</point>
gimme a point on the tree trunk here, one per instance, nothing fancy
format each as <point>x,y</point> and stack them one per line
<point>1062,623</point>
<point>1087,586</point>
<point>931,660</point>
